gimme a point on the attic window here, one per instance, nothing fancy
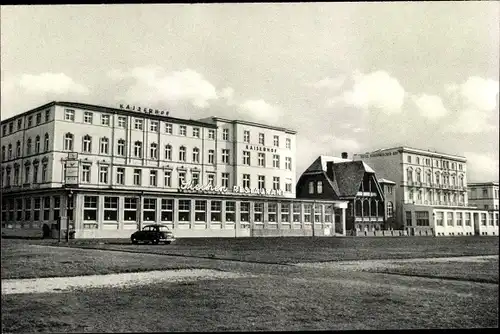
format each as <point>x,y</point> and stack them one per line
<point>320,187</point>
<point>311,187</point>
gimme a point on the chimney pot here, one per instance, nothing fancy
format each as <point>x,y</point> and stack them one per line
<point>344,155</point>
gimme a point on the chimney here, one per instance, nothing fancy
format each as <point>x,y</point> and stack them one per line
<point>329,169</point>
<point>344,155</point>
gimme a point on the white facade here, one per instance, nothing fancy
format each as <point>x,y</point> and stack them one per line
<point>483,195</point>
<point>428,184</point>
<point>111,171</point>
<point>112,141</point>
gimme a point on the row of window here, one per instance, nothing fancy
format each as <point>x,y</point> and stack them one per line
<point>31,175</point>
<point>186,206</point>
<point>319,187</point>
<point>168,152</point>
<point>8,153</point>
<point>36,209</point>
<point>437,179</point>
<point>137,180</point>
<point>473,194</point>
<point>154,126</point>
<point>422,218</point>
<point>437,163</point>
<point>487,207</point>
<point>138,123</point>
<point>9,128</point>
<point>20,210</point>
<point>460,217</point>
<point>276,139</point>
<point>435,196</point>
<point>366,208</point>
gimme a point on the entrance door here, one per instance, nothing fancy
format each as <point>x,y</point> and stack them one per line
<point>475,221</point>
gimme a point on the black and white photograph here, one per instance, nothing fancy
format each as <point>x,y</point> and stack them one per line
<point>245,167</point>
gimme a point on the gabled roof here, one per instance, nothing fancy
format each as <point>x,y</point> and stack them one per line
<point>320,163</point>
<point>347,174</point>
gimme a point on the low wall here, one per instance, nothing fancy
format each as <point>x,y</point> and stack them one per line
<point>380,233</point>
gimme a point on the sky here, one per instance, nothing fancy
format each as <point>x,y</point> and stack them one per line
<point>348,77</point>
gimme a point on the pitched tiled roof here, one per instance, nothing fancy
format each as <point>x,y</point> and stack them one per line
<point>320,163</point>
<point>347,174</point>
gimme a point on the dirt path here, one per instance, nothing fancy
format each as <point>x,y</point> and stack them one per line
<point>370,264</point>
<point>63,284</point>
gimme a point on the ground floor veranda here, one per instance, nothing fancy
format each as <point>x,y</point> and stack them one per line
<point>110,214</point>
<point>420,220</point>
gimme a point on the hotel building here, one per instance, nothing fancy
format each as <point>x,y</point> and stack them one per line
<point>431,192</point>
<point>483,195</point>
<point>109,171</point>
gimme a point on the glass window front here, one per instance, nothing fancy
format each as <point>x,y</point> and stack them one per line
<point>149,209</point>
<point>200,211</point>
<point>307,213</point>
<point>245,211</point>
<point>215,211</point>
<point>130,209</point>
<point>184,210</point>
<point>167,209</point>
<point>272,211</point>
<point>90,208</point>
<point>230,211</point>
<point>258,212</point>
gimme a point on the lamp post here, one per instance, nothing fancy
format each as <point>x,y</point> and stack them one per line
<point>70,196</point>
<point>433,222</point>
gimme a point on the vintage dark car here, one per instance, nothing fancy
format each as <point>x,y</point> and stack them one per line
<point>154,234</point>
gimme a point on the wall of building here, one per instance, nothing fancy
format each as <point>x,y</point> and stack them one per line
<point>448,221</point>
<point>484,196</point>
<point>109,214</point>
<point>387,165</point>
<point>389,190</point>
<point>404,165</point>
<point>238,145</point>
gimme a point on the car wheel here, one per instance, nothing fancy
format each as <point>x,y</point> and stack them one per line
<point>155,241</point>
<point>134,241</point>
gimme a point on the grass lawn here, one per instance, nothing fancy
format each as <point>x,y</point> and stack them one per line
<point>268,302</point>
<point>27,259</point>
<point>309,249</point>
<point>276,297</point>
<point>21,260</point>
<point>473,271</point>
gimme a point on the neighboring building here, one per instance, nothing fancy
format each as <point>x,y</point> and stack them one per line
<point>431,192</point>
<point>389,189</point>
<point>483,195</point>
<point>110,171</point>
<point>331,178</point>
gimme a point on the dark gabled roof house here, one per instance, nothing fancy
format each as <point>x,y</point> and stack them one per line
<point>344,179</point>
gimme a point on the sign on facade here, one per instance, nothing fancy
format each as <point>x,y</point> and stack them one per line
<point>71,169</point>
<point>144,110</point>
<point>236,190</point>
